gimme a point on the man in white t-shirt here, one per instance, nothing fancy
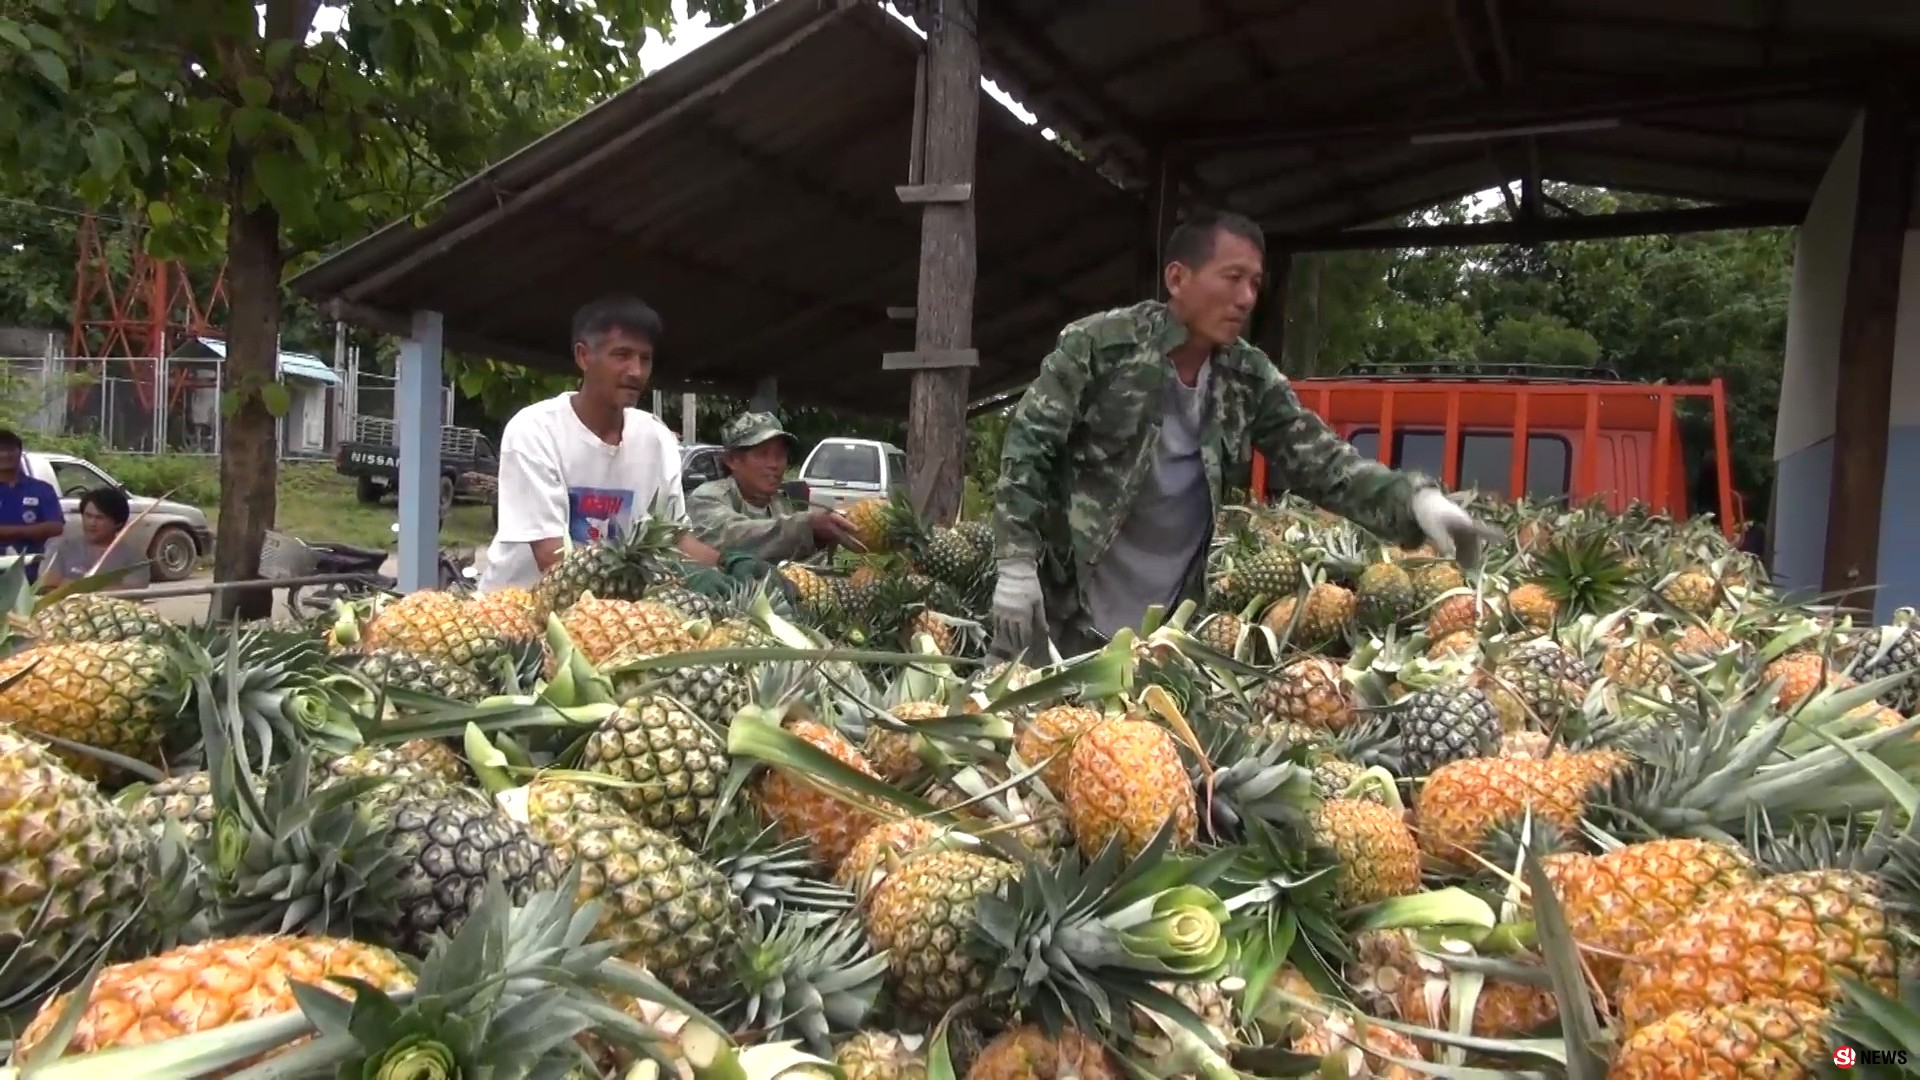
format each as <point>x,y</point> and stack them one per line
<point>587,465</point>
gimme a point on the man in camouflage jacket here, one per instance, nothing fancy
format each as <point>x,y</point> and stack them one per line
<point>744,512</point>
<point>1140,419</point>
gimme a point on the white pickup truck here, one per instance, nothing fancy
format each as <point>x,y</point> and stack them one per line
<point>174,535</point>
<point>843,471</point>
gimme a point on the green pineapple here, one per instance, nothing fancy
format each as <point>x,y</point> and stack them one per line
<point>1891,650</point>
<point>449,848</point>
<point>952,559</point>
<point>1384,596</point>
<point>1270,573</point>
<point>1447,722</point>
<point>1433,580</point>
<point>684,600</point>
<point>674,760</point>
<point>92,617</point>
<point>620,568</point>
<point>399,669</point>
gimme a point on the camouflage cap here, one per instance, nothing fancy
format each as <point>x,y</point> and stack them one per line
<point>752,429</point>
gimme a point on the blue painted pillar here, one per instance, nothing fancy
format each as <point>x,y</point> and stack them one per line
<point>417,404</point>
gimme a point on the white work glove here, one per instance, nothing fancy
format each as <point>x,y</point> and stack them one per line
<point>1018,608</point>
<point>1451,530</point>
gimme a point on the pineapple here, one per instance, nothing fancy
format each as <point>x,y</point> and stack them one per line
<point>1787,938</point>
<point>1222,632</point>
<point>1640,666</point>
<point>417,673</point>
<point>1384,596</point>
<point>954,560</point>
<point>117,696</point>
<point>1357,1050</point>
<point>452,847</point>
<point>1892,650</point>
<point>1049,739</point>
<point>1396,980</point>
<point>513,613</point>
<point>1447,723</point>
<point>1693,591</point>
<point>885,846</point>
<point>662,905</point>
<point>186,799</point>
<point>200,987</point>
<point>1327,614</point>
<point>1760,1040</point>
<point>92,617</point>
<point>1534,605</point>
<point>1461,613</point>
<point>1309,691</point>
<point>1435,579</point>
<point>617,568</point>
<point>799,810</point>
<point>675,763</point>
<point>1616,901</point>
<point>817,596</point>
<point>605,629</point>
<point>882,1055</point>
<point>438,625</point>
<point>1028,1053</point>
<point>1802,675</point>
<point>415,761</point>
<point>1376,851</point>
<point>77,867</point>
<point>1272,574</point>
<point>1465,801</point>
<point>896,754</point>
<point>880,522</point>
<point>922,915</point>
<point>1125,780</point>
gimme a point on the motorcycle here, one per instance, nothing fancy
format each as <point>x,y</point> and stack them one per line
<point>457,573</point>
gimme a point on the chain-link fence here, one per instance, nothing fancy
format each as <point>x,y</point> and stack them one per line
<point>173,405</point>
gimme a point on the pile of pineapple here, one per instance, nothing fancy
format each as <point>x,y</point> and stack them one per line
<point>1608,806</point>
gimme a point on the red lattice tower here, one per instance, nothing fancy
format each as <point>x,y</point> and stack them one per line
<point>138,314</point>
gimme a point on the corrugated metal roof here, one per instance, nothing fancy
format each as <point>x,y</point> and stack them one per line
<point>746,191</point>
<point>1326,114</point>
<point>293,365</point>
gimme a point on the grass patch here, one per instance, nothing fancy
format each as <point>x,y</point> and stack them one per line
<point>314,503</point>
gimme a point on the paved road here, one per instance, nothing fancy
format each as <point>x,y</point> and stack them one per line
<point>193,609</point>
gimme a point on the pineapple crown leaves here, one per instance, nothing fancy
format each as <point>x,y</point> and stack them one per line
<point>1868,1016</point>
<point>809,977</point>
<point>772,876</point>
<point>277,689</point>
<point>1070,943</point>
<point>1284,899</point>
<point>1585,573</point>
<point>1249,780</point>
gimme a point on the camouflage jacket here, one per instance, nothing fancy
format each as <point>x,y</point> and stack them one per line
<point>1082,441</point>
<point>724,519</point>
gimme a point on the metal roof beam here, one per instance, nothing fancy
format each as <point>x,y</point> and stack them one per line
<point>1753,215</point>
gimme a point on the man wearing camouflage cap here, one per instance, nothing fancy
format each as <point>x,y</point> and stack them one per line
<point>744,512</point>
<point>1141,417</point>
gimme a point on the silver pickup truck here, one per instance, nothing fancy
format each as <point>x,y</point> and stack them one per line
<point>843,471</point>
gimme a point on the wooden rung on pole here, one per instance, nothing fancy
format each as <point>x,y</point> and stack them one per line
<point>930,359</point>
<point>913,194</point>
<point>903,314</point>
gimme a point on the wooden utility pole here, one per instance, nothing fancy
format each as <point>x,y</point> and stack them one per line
<point>940,182</point>
<point>1864,386</point>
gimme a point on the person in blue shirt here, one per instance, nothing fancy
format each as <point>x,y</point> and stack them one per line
<point>29,508</point>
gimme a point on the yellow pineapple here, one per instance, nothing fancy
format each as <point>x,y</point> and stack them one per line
<point>1377,853</point>
<point>1465,800</point>
<point>1533,605</point>
<point>1459,613</point>
<point>1028,1053</point>
<point>1328,614</point>
<point>212,984</point>
<point>117,696</point>
<point>1617,901</point>
<point>1787,938</point>
<point>1125,779</point>
<point>800,810</point>
<point>896,754</point>
<point>1761,1040</point>
<point>882,848</point>
<point>1641,666</point>
<point>1393,979</point>
<point>1049,738</point>
<point>1802,675</point>
<point>876,522</point>
<point>1308,691</point>
<point>438,625</point>
<point>1693,591</point>
<point>1354,1049</point>
<point>605,629</point>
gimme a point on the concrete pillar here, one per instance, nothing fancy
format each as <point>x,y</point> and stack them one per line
<point>417,404</point>
<point>689,418</point>
<point>1812,406</point>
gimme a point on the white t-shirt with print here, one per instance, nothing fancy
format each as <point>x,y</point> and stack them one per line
<point>558,479</point>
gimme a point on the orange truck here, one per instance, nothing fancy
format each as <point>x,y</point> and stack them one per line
<point>1541,433</point>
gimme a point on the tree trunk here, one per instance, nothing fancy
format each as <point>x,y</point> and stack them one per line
<point>249,462</point>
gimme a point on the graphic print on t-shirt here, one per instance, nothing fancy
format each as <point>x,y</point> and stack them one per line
<point>595,514</point>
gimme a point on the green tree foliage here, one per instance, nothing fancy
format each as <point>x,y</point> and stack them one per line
<point>226,119</point>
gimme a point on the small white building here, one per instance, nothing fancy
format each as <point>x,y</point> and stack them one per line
<point>310,385</point>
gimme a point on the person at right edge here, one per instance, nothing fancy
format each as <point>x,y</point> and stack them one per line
<point>1117,455</point>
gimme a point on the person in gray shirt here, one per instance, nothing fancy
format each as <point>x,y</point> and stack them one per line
<point>101,547</point>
